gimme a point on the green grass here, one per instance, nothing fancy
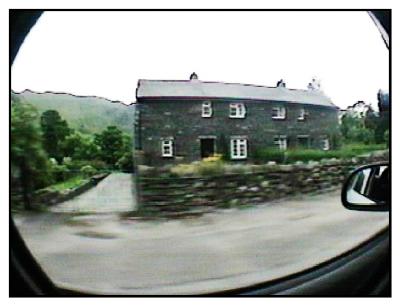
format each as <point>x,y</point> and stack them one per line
<point>69,184</point>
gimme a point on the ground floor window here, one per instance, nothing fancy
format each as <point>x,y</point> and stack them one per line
<point>281,142</point>
<point>325,144</point>
<point>303,141</point>
<point>238,148</point>
<point>167,147</point>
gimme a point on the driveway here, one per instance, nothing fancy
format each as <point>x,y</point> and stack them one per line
<point>102,253</point>
<point>112,194</point>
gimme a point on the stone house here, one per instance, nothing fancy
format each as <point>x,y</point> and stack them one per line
<point>184,121</point>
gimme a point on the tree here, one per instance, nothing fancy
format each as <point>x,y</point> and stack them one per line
<point>30,167</point>
<point>80,147</point>
<point>54,130</point>
<point>111,144</point>
<point>353,129</point>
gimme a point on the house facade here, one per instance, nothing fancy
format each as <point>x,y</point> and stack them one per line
<point>185,121</point>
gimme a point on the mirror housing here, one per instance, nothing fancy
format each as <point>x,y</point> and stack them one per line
<point>368,188</point>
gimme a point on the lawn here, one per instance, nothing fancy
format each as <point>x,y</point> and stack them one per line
<point>71,183</point>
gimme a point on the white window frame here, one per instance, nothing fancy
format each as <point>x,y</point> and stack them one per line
<point>206,109</point>
<point>239,110</point>
<point>167,144</point>
<point>302,115</point>
<point>280,112</point>
<point>326,146</point>
<point>281,142</point>
<point>239,148</point>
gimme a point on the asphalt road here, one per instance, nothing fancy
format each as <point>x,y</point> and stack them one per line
<point>100,253</point>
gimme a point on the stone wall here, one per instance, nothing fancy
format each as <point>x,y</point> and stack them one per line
<point>182,120</point>
<point>164,196</point>
<point>50,197</point>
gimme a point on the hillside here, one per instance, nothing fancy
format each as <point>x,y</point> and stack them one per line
<point>84,114</point>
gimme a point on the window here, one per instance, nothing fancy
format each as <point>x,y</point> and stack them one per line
<point>302,115</point>
<point>237,110</point>
<point>278,112</point>
<point>238,148</point>
<point>303,141</point>
<point>281,142</point>
<point>206,111</point>
<point>167,148</point>
<point>325,144</point>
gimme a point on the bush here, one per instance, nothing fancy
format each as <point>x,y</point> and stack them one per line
<point>125,163</point>
<point>208,166</point>
<point>304,155</point>
<point>88,171</point>
<point>184,169</point>
<point>61,173</point>
<point>307,155</point>
<point>266,155</point>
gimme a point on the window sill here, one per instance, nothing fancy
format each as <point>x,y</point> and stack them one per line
<point>236,117</point>
<point>279,118</point>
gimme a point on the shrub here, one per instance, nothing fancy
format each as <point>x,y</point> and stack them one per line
<point>61,173</point>
<point>266,155</point>
<point>88,171</point>
<point>183,169</point>
<point>208,166</point>
<point>125,163</point>
<point>307,155</point>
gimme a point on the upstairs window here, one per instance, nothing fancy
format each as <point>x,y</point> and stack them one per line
<point>238,148</point>
<point>279,112</point>
<point>302,115</point>
<point>237,110</point>
<point>281,142</point>
<point>206,110</point>
<point>167,148</point>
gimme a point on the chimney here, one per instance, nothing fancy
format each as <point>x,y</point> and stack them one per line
<point>281,83</point>
<point>314,85</point>
<point>194,76</point>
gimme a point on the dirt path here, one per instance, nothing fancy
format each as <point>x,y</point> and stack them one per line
<point>113,194</point>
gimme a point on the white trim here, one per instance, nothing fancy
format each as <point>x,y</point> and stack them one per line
<point>167,147</point>
<point>206,109</point>
<point>325,144</point>
<point>281,142</point>
<point>238,148</point>
<point>239,110</point>
<point>280,112</point>
<point>302,115</point>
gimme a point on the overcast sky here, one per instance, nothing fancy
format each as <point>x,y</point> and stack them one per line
<point>105,53</point>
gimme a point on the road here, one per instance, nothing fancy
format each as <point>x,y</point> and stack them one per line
<point>102,253</point>
<point>112,194</point>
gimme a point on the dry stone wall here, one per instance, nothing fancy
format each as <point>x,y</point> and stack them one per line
<point>163,196</point>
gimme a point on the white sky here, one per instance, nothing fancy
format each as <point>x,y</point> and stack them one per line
<point>105,53</point>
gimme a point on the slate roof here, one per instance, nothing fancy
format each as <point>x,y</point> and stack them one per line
<point>201,89</point>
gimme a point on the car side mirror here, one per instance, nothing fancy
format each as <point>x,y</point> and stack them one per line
<point>368,188</point>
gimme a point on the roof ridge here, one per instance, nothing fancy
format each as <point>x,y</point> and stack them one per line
<point>227,83</point>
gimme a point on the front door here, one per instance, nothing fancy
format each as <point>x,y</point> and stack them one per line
<point>207,147</point>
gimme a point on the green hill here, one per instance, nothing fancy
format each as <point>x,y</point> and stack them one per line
<point>84,114</point>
